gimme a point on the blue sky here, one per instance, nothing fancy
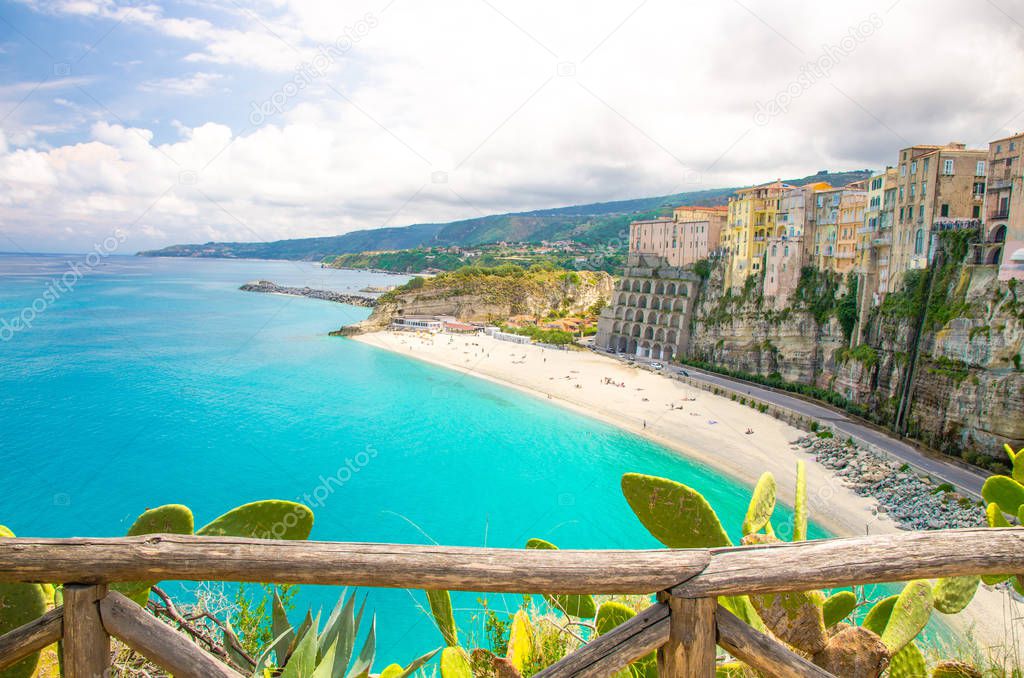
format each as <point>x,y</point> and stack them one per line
<point>229,120</point>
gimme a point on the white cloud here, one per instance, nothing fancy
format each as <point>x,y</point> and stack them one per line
<point>522,105</point>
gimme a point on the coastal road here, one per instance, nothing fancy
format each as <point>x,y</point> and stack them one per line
<point>962,478</point>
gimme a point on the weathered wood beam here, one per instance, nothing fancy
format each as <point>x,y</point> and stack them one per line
<point>689,651</point>
<point>605,655</point>
<point>158,642</point>
<point>827,563</point>
<point>156,557</point>
<point>761,651</point>
<point>86,643</point>
<point>19,643</point>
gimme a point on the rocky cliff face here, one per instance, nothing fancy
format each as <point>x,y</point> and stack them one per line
<point>492,297</point>
<point>967,393</point>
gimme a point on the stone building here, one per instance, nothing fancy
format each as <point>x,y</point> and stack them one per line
<point>649,315</point>
<point>691,234</point>
<point>1003,234</point>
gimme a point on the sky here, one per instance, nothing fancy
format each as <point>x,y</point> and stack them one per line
<point>210,120</point>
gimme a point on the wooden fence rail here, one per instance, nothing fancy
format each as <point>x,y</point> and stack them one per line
<point>683,628</point>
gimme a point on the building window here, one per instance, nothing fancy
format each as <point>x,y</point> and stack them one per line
<point>901,194</point>
<point>903,170</point>
<point>913,168</point>
<point>920,212</point>
<point>1013,145</point>
<point>947,167</point>
<point>926,165</point>
<point>979,169</point>
<point>919,241</point>
<point>976,212</point>
<point>944,210</point>
<point>924,188</point>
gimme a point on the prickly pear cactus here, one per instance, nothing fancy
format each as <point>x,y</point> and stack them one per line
<point>800,505</point>
<point>610,615</point>
<point>953,594</point>
<point>878,616</point>
<point>582,606</point>
<point>955,669</point>
<point>441,608</point>
<point>762,504</point>
<point>268,519</point>
<point>795,618</point>
<point>20,604</point>
<point>910,614</point>
<point>167,519</point>
<point>854,652</point>
<point>908,663</point>
<point>678,516</point>
<point>838,607</point>
<point>1004,491</point>
<point>455,663</point>
<point>744,609</point>
<point>1017,460</point>
<point>392,671</point>
<point>520,642</point>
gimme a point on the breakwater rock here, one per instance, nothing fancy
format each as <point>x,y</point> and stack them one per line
<point>915,502</point>
<point>268,287</point>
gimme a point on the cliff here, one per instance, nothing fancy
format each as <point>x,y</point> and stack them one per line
<point>965,394</point>
<point>491,295</point>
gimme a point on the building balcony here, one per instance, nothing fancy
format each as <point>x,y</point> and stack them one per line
<point>843,255</point>
<point>884,241</point>
<point>999,213</point>
<point>999,184</point>
<point>953,224</point>
<point>865,229</point>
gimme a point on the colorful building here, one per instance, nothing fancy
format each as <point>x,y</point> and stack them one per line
<point>786,254</point>
<point>692,234</point>
<point>938,188</point>
<point>751,219</point>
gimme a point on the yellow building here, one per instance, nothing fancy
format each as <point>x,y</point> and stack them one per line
<point>751,220</point>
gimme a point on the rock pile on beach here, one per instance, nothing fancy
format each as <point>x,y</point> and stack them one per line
<point>915,502</point>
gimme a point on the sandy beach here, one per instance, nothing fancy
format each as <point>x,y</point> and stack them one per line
<point>716,431</point>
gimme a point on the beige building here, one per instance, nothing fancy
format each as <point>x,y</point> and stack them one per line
<point>852,202</point>
<point>691,235</point>
<point>786,254</point>
<point>874,241</point>
<point>938,188</point>
<point>751,220</point>
<point>1004,208</point>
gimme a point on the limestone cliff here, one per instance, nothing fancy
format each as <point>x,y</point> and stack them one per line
<point>966,392</point>
<point>491,295</point>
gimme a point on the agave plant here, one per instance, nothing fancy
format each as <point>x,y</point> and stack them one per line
<point>311,652</point>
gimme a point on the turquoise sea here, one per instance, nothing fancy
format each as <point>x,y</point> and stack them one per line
<point>157,381</point>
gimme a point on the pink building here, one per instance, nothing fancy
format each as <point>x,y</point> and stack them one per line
<point>691,235</point>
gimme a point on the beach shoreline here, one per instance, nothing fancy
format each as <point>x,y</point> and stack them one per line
<point>704,428</point>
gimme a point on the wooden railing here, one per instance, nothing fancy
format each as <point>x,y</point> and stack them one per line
<point>683,627</point>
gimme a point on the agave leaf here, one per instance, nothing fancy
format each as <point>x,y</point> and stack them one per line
<point>762,504</point>
<point>300,633</point>
<point>343,630</point>
<point>415,666</point>
<point>282,630</point>
<point>231,641</point>
<point>364,662</point>
<point>302,660</point>
<point>678,516</point>
<point>441,607</point>
<point>582,606</point>
<point>325,667</point>
<point>800,505</point>
<point>263,661</point>
<point>326,636</point>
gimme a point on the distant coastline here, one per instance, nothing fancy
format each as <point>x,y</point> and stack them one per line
<point>267,287</point>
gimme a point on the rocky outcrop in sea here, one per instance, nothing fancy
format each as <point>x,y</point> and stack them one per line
<point>913,501</point>
<point>268,287</point>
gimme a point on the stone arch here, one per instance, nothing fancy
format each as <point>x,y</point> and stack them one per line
<point>995,256</point>
<point>670,337</point>
<point>668,352</point>
<point>637,329</point>
<point>639,316</point>
<point>642,301</point>
<point>629,314</point>
<point>659,288</point>
<point>649,333</point>
<point>670,288</point>
<point>644,350</point>
<point>684,290</point>
<point>620,312</point>
<point>632,300</point>
<point>616,328</point>
<point>636,286</point>
<point>656,351</point>
<point>998,234</point>
<point>646,289</point>
<point>659,335</point>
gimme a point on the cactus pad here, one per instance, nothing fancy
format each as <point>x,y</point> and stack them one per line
<point>744,609</point>
<point>838,607</point>
<point>582,606</point>
<point>610,615</point>
<point>167,519</point>
<point>678,516</point>
<point>910,614</point>
<point>1017,461</point>
<point>878,616</point>
<point>269,519</point>
<point>455,663</point>
<point>953,594</point>
<point>955,669</point>
<point>800,505</point>
<point>762,504</point>
<point>795,618</point>
<point>21,604</point>
<point>908,663</point>
<point>1004,491</point>
<point>995,519</point>
<point>854,652</point>
<point>441,608</point>
<point>520,642</point>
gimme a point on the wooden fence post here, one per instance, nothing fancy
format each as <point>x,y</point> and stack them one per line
<point>690,650</point>
<point>86,643</point>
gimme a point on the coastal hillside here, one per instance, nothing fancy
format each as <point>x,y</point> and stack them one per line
<point>492,295</point>
<point>959,388</point>
<point>592,223</point>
